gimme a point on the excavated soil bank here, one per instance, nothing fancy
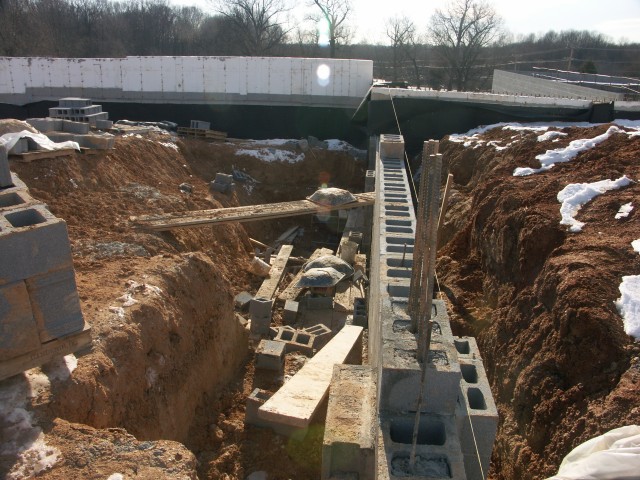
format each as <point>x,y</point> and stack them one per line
<point>162,393</point>
<point>540,299</point>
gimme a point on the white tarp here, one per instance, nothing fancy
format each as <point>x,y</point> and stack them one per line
<point>614,455</point>
<point>45,143</point>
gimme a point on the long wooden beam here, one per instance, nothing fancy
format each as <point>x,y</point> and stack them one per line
<point>247,213</point>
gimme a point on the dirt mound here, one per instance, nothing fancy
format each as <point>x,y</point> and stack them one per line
<point>10,125</point>
<point>171,358</point>
<point>539,298</point>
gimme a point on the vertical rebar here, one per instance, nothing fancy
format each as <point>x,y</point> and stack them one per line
<point>404,255</point>
<point>423,382</point>
<point>429,251</point>
<point>413,309</point>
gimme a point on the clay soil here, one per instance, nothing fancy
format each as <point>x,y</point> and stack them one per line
<point>162,394</point>
<point>540,299</point>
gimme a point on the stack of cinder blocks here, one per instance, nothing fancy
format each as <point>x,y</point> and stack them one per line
<point>61,130</point>
<point>38,297</point>
<point>81,110</point>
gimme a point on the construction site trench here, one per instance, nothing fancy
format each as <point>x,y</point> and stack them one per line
<point>162,393</point>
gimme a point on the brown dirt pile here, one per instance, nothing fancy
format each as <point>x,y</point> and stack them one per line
<point>541,299</point>
<point>170,360</point>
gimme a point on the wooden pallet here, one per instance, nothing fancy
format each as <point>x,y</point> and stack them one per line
<point>202,133</point>
<point>244,214</point>
<point>48,351</point>
<point>40,155</point>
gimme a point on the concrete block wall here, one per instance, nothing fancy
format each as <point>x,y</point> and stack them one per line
<point>38,295</point>
<point>476,412</point>
<point>445,445</point>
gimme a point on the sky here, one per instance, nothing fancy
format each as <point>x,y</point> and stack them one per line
<point>618,19</point>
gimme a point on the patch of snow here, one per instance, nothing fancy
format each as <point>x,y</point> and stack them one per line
<point>119,311</point>
<point>562,155</point>
<point>169,145</point>
<point>575,195</point>
<point>272,142</point>
<point>23,438</point>
<point>636,245</point>
<point>272,155</point>
<point>127,300</point>
<point>551,135</point>
<point>116,476</point>
<point>624,211</point>
<point>629,304</point>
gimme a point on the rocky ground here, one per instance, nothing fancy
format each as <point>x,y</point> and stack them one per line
<point>539,298</point>
<point>162,394</point>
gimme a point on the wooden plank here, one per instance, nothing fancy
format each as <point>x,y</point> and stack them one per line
<point>247,213</point>
<point>270,284</point>
<point>41,154</point>
<point>47,352</point>
<point>292,292</point>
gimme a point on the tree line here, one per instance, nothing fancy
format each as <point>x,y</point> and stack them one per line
<point>461,46</point>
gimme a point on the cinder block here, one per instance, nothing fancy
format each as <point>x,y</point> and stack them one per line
<point>105,141</point>
<point>18,185</point>
<point>260,307</point>
<point>55,304</point>
<point>242,300</point>
<point>223,179</point>
<point>352,402</point>
<point>222,188</point>
<point>391,146</point>
<point>32,242</point>
<point>322,335</point>
<point>370,181</point>
<point>5,173</point>
<point>254,401</point>
<point>290,312</point>
<point>270,355</point>
<point>104,124</point>
<point>18,329</point>
<point>318,303</point>
<point>11,199</point>
<point>74,102</point>
<point>477,418</point>
<point>75,127</point>
<point>360,312</point>
<point>21,146</point>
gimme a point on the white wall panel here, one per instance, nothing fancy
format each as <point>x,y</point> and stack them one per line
<point>151,74</point>
<point>111,72</point>
<point>131,70</point>
<point>235,69</point>
<point>58,73</point>
<point>38,72</point>
<point>192,77</point>
<point>258,80</point>
<point>6,83</point>
<point>297,76</point>
<point>169,66</point>
<point>214,74</point>
<point>74,69</point>
<point>280,76</point>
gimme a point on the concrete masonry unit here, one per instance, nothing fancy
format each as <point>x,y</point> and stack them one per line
<point>40,315</point>
<point>458,411</point>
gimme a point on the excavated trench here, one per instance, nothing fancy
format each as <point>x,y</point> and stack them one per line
<point>171,360</point>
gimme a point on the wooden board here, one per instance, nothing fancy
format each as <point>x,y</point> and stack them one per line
<point>292,292</point>
<point>47,352</point>
<point>244,214</point>
<point>41,154</point>
<point>270,284</point>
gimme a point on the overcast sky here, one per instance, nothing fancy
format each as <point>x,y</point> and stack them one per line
<point>618,19</point>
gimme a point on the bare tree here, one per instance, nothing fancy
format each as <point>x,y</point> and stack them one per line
<point>257,23</point>
<point>335,14</point>
<point>460,32</point>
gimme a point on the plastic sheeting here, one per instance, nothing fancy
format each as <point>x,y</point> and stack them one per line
<point>45,143</point>
<point>614,455</point>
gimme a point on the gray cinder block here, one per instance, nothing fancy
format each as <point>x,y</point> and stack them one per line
<point>270,355</point>
<point>223,179</point>
<point>290,312</point>
<point>255,400</point>
<point>260,307</point>
<point>21,146</point>
<point>391,146</point>
<point>318,303</point>
<point>242,300</point>
<point>55,304</point>
<point>13,198</point>
<point>18,329</point>
<point>5,173</point>
<point>32,242</point>
<point>75,127</point>
<point>103,124</point>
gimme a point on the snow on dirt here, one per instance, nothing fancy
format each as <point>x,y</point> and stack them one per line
<point>575,195</point>
<point>624,211</point>
<point>554,313</point>
<point>272,155</point>
<point>24,439</point>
